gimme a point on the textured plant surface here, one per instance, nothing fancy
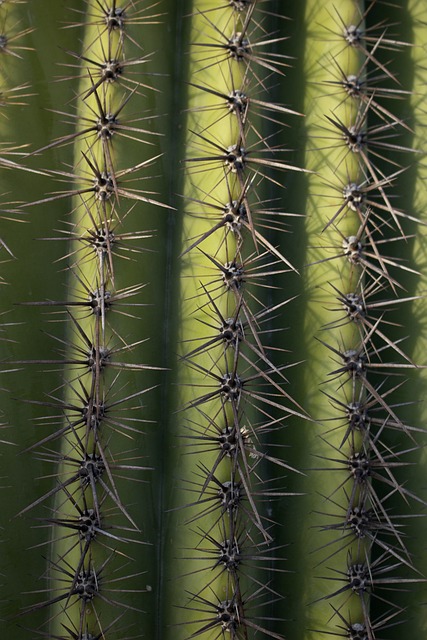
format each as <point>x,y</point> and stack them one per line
<point>213,335</point>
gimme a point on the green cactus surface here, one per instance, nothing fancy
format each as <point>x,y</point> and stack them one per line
<point>213,334</point>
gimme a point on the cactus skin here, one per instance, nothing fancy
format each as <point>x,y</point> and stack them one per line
<point>180,559</point>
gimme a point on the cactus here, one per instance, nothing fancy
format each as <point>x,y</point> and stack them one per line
<point>213,363</point>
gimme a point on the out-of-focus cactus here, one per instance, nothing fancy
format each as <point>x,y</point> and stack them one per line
<point>213,354</point>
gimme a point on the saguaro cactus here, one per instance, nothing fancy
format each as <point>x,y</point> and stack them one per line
<point>213,214</point>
